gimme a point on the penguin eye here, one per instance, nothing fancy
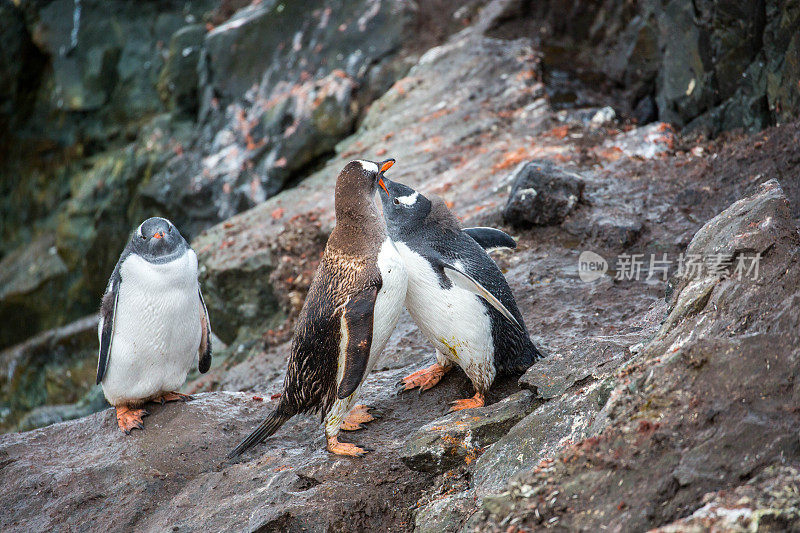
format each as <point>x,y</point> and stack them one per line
<point>396,201</point>
<point>144,238</point>
<point>169,229</point>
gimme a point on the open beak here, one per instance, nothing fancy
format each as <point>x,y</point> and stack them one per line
<point>158,235</point>
<point>386,165</point>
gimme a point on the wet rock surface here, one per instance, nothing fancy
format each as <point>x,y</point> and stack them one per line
<point>649,411</point>
<point>461,437</point>
<point>114,112</point>
<point>676,414</point>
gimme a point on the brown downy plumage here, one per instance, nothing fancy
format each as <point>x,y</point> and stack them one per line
<point>341,299</point>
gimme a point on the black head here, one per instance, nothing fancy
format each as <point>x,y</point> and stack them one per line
<point>403,208</point>
<point>157,240</point>
<point>356,185</point>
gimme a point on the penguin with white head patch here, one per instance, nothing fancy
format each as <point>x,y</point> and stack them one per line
<point>154,324</point>
<point>456,293</point>
<point>352,307</point>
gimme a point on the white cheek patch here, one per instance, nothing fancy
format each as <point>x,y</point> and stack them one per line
<point>411,199</point>
<point>139,230</point>
<point>369,166</point>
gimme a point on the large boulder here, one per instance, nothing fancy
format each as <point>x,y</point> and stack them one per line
<point>461,438</point>
<point>702,405</point>
<point>542,194</point>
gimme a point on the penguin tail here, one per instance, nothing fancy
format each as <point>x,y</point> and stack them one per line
<point>530,354</point>
<point>269,426</point>
<point>536,354</point>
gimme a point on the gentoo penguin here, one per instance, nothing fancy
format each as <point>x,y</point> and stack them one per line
<point>352,307</point>
<point>153,323</point>
<point>456,294</point>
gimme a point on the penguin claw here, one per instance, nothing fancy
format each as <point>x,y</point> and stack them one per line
<point>425,378</point>
<point>358,415</point>
<point>129,419</point>
<point>468,403</point>
<point>174,397</point>
<point>344,448</point>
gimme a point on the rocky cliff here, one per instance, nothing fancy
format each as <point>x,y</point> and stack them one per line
<point>667,400</point>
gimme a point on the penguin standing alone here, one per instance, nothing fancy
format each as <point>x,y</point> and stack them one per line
<point>153,323</point>
<point>456,294</point>
<point>352,307</point>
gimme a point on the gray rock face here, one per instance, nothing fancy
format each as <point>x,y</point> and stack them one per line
<point>259,149</point>
<point>542,194</point>
<point>28,279</point>
<point>271,42</point>
<point>21,64</point>
<point>538,437</point>
<point>716,360</point>
<point>157,478</point>
<point>105,63</point>
<point>461,437</point>
<point>54,367</point>
<point>156,111</point>
<point>711,66</point>
<point>178,81</point>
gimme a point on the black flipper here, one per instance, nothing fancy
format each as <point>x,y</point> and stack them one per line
<point>108,311</point>
<point>491,239</point>
<point>357,318</point>
<point>205,341</point>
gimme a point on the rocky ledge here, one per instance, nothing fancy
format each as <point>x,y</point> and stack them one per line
<point>668,399</point>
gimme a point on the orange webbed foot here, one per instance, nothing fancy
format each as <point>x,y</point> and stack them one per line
<point>469,403</point>
<point>130,419</point>
<point>425,378</point>
<point>174,397</point>
<point>359,415</point>
<point>344,448</point>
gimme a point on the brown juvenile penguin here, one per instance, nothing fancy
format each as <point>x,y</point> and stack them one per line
<point>352,307</point>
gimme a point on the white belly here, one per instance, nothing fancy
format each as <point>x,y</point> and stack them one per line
<point>454,320</point>
<point>389,302</point>
<point>157,329</point>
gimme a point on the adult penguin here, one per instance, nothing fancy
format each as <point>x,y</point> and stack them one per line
<point>456,294</point>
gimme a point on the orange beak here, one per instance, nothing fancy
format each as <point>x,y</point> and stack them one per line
<point>158,235</point>
<point>384,167</point>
